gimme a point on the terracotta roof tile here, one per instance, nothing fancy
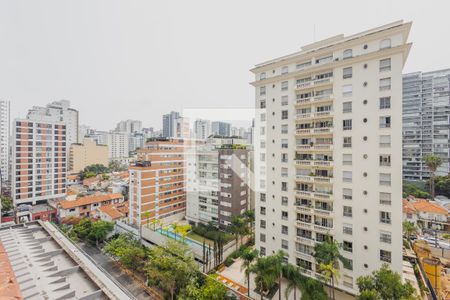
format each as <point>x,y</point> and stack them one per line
<point>408,208</point>
<point>429,207</point>
<point>9,287</point>
<point>67,204</point>
<point>115,211</point>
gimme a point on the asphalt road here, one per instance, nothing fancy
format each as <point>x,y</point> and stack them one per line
<point>111,267</point>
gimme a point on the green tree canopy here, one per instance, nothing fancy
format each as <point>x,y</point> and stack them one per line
<point>127,250</point>
<point>7,203</point>
<point>93,170</point>
<point>386,284</point>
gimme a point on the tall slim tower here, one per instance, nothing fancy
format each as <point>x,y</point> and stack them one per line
<point>328,149</point>
<point>4,140</point>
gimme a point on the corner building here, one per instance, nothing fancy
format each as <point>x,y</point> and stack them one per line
<point>328,151</point>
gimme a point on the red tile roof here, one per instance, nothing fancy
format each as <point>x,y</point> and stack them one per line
<point>67,204</point>
<point>115,211</point>
<point>408,208</point>
<point>429,207</point>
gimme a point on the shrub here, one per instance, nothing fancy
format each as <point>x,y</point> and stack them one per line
<point>229,261</point>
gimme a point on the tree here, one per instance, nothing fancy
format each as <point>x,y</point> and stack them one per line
<point>327,255</point>
<point>238,228</point>
<point>248,257</point>
<point>93,170</point>
<point>414,190</point>
<point>409,228</point>
<point>7,203</point>
<point>204,289</point>
<point>384,284</point>
<point>294,279</point>
<point>170,267</point>
<point>83,228</point>
<point>249,216</point>
<point>268,271</point>
<point>147,215</point>
<point>127,250</point>
<point>116,166</point>
<point>442,185</point>
<point>313,290</point>
<point>433,162</point>
<point>99,231</point>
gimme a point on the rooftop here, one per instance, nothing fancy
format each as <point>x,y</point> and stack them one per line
<point>423,205</point>
<point>67,204</point>
<point>115,211</point>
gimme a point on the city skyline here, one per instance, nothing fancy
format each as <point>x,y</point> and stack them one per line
<point>92,65</point>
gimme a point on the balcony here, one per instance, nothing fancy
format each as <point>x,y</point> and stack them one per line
<point>303,209</point>
<point>303,101</point>
<point>316,147</point>
<point>305,240</point>
<point>314,178</point>
<point>323,163</point>
<point>323,98</point>
<point>303,255</point>
<point>314,115</point>
<point>323,81</point>
<point>322,229</point>
<point>304,225</point>
<point>323,195</point>
<point>300,162</point>
<point>314,131</point>
<point>323,212</point>
<point>304,193</point>
<point>304,85</point>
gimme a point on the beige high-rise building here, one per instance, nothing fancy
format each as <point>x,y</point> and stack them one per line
<point>86,154</point>
<point>328,151</point>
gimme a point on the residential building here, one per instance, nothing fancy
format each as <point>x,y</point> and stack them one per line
<point>202,129</point>
<point>136,141</point>
<point>39,161</point>
<point>217,181</point>
<point>86,154</point>
<point>58,112</point>
<point>170,124</point>
<point>129,126</point>
<point>238,131</point>
<point>118,145</point>
<point>182,128</point>
<point>157,182</point>
<point>426,122</point>
<point>220,128</point>
<point>113,212</point>
<point>43,212</point>
<point>426,214</point>
<point>87,206</point>
<point>328,151</point>
<point>4,141</point>
<point>84,131</point>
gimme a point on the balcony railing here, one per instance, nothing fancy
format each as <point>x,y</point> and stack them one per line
<point>323,81</point>
<point>303,209</point>
<point>304,225</point>
<point>303,85</point>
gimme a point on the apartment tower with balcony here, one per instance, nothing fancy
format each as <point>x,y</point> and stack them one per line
<point>328,151</point>
<point>217,181</point>
<point>157,183</point>
<point>426,122</point>
<point>39,153</point>
<point>4,141</point>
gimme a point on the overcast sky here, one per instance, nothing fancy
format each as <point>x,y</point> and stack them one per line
<point>126,59</point>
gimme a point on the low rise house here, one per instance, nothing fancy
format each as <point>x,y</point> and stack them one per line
<point>87,206</point>
<point>428,214</point>
<point>113,212</point>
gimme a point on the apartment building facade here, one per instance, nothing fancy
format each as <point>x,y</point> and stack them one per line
<point>86,154</point>
<point>217,181</point>
<point>4,141</point>
<point>220,128</point>
<point>129,126</point>
<point>169,122</point>
<point>157,183</point>
<point>39,161</point>
<point>426,122</point>
<point>58,111</point>
<point>202,129</point>
<point>328,151</point>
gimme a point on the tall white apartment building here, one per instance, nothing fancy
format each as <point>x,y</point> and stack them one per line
<point>118,145</point>
<point>328,151</point>
<point>39,165</point>
<point>4,140</point>
<point>58,111</point>
<point>426,122</point>
<point>202,129</point>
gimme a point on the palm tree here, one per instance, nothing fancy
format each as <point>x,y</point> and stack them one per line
<point>294,278</point>
<point>247,259</point>
<point>237,228</point>
<point>330,272</point>
<point>154,223</point>
<point>176,229</point>
<point>409,228</point>
<point>265,278</point>
<point>433,162</point>
<point>146,215</point>
<point>327,254</point>
<point>278,265</point>
<point>249,216</point>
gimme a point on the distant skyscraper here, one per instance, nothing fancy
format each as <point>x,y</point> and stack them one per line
<point>202,129</point>
<point>4,140</point>
<point>170,124</point>
<point>129,126</point>
<point>221,128</point>
<point>426,122</point>
<point>58,111</point>
<point>118,145</point>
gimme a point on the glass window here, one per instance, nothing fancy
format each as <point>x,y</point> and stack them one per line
<point>385,102</point>
<point>385,256</point>
<point>284,70</point>
<point>347,228</point>
<point>262,90</point>
<point>347,124</point>
<point>284,115</point>
<point>347,246</point>
<point>385,65</point>
<point>385,237</point>
<point>284,86</point>
<point>347,176</point>
<point>385,141</point>
<point>347,73</point>
<point>385,122</point>
<point>385,179</point>
<point>347,159</point>
<point>347,54</point>
<point>347,90</point>
<point>284,244</point>
<point>385,198</point>
<point>385,217</point>
<point>284,128</point>
<point>347,107</point>
<point>347,142</point>
<point>347,194</point>
<point>385,84</point>
<point>347,211</point>
<point>284,100</point>
<point>262,76</point>
<point>385,160</point>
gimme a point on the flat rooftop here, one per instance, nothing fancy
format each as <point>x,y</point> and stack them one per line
<point>46,265</point>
